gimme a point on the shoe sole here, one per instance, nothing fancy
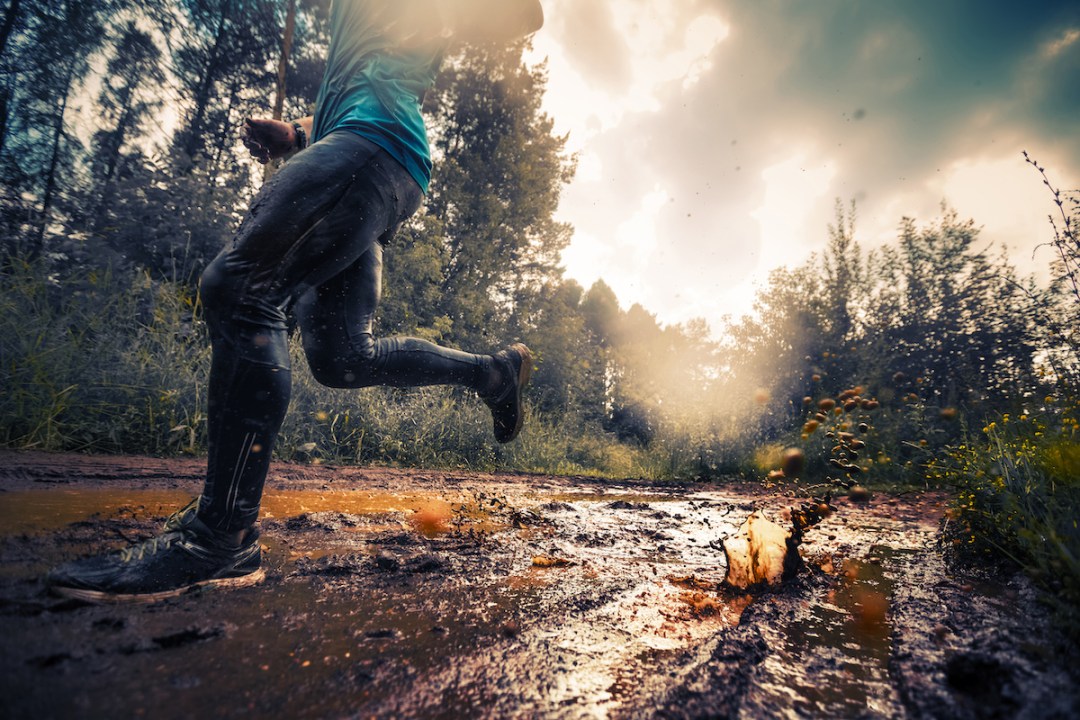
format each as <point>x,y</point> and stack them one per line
<point>524,373</point>
<point>103,598</point>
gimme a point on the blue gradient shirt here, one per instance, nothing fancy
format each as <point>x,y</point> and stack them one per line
<point>383,58</point>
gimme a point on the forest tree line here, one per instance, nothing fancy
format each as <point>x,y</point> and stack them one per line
<point>122,176</point>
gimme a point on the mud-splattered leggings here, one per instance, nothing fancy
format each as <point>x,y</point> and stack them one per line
<point>314,235</point>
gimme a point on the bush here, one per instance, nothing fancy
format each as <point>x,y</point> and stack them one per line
<point>97,362</point>
<point>94,362</point>
<point>1018,485</point>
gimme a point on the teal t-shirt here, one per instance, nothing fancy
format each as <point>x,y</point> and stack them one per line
<point>383,57</point>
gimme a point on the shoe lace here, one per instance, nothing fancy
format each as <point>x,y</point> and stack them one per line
<point>180,518</point>
<point>148,547</point>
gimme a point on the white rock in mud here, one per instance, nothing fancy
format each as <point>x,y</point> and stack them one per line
<point>756,552</point>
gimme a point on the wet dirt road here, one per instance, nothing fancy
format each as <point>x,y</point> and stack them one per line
<point>394,593</point>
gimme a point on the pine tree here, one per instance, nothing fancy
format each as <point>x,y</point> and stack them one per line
<point>45,57</point>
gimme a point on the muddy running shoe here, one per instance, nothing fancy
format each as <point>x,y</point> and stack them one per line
<point>507,411</point>
<point>183,516</point>
<point>187,556</point>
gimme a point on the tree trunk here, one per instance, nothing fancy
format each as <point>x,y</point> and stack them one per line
<point>54,161</point>
<point>283,62</point>
<point>202,97</point>
<point>9,22</point>
<point>5,94</point>
<point>5,98</point>
<point>113,160</point>
<point>283,65</point>
<point>222,139</point>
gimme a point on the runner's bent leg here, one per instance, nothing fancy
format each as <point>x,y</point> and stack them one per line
<point>337,320</point>
<point>300,231</point>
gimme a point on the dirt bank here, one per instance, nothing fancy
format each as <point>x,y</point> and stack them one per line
<point>394,593</point>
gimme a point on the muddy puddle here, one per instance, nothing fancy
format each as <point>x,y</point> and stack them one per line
<point>426,595</point>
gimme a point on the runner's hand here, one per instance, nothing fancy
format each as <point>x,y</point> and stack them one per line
<point>267,139</point>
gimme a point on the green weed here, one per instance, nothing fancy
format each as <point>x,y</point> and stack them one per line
<point>1018,488</point>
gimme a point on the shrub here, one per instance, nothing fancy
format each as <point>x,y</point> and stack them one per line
<point>91,361</point>
<point>1018,484</point>
<point>101,362</point>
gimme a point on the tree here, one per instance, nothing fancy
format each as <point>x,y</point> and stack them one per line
<point>498,175</point>
<point>224,72</point>
<point>171,212</point>
<point>961,327</point>
<point>11,17</point>
<point>780,354</point>
<point>126,101</point>
<point>570,377</point>
<point>46,56</point>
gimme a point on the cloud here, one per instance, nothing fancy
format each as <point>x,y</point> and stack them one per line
<point>751,117</point>
<point>593,44</point>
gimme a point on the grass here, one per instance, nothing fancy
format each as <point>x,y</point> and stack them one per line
<point>90,363</point>
<point>97,362</point>
<point>1018,490</point>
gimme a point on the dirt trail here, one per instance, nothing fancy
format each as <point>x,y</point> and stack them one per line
<point>394,593</point>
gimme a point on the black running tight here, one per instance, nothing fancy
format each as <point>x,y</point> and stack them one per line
<point>314,236</point>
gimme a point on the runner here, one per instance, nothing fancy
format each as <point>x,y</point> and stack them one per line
<point>313,239</point>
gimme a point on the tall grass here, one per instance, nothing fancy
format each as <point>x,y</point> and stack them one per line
<point>100,362</point>
<point>95,363</point>
<point>1018,490</point>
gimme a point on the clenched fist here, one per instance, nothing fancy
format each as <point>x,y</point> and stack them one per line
<point>268,139</point>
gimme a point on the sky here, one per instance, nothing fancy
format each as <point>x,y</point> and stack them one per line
<point>714,137</point>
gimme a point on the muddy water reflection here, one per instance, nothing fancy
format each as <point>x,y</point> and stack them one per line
<point>367,613</point>
<point>831,660</point>
<point>42,511</point>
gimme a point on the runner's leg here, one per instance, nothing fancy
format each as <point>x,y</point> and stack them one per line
<point>337,320</point>
<point>300,230</point>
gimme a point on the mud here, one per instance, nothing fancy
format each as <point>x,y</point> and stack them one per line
<point>395,593</point>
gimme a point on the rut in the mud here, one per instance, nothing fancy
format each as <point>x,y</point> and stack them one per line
<point>399,594</point>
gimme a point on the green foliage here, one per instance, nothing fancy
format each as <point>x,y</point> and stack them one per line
<point>94,362</point>
<point>499,171</point>
<point>964,326</point>
<point>45,61</point>
<point>170,224</point>
<point>226,52</point>
<point>127,100</point>
<point>932,328</point>
<point>1018,483</point>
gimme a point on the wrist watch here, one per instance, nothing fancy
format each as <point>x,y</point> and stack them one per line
<point>301,136</point>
